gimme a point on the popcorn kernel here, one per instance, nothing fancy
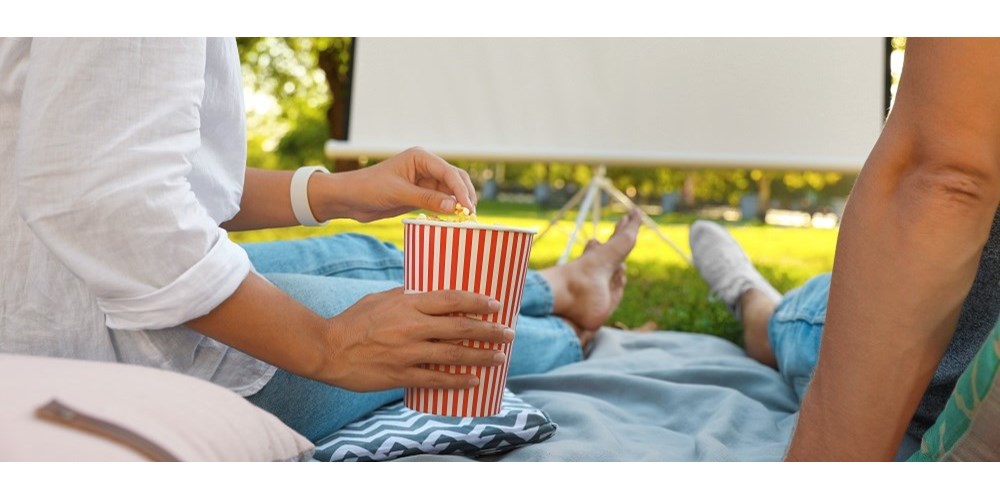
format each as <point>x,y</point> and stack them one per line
<point>461,213</point>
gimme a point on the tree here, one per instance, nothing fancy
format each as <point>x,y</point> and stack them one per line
<point>309,84</point>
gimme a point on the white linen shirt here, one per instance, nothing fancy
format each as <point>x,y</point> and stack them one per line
<point>119,159</point>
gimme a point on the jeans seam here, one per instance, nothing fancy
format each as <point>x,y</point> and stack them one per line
<point>813,320</point>
<point>366,265</point>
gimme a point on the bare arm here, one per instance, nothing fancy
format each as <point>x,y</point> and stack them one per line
<point>413,179</point>
<point>907,254</point>
<point>266,201</point>
<point>353,350</point>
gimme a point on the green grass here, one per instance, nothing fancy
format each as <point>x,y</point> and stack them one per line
<point>662,288</point>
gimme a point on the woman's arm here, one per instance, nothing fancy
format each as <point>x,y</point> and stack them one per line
<point>907,253</point>
<point>378,343</point>
<point>266,201</point>
<point>413,179</point>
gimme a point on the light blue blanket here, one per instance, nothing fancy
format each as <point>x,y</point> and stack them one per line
<point>657,397</point>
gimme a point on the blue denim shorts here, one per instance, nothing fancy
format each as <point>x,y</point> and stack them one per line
<point>795,330</point>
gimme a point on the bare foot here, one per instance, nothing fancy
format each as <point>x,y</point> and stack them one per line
<point>587,290</point>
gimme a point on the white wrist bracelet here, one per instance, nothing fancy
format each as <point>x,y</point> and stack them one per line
<point>300,195</point>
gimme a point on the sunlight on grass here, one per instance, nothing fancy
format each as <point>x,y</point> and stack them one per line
<point>662,288</point>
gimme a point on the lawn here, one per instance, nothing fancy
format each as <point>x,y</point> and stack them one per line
<point>662,289</point>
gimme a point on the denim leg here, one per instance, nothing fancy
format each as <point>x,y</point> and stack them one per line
<point>312,408</point>
<point>316,410</point>
<point>542,344</point>
<point>347,255</point>
<point>537,298</point>
<point>795,330</point>
<point>543,341</point>
<point>351,255</point>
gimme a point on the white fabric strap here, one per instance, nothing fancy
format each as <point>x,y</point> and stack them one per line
<point>300,195</point>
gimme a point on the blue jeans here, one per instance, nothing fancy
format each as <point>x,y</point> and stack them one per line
<point>795,330</point>
<point>330,274</point>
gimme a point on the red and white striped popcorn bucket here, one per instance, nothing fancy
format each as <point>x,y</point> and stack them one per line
<point>490,260</point>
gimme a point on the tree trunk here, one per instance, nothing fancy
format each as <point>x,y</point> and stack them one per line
<point>764,194</point>
<point>687,191</point>
<point>340,94</point>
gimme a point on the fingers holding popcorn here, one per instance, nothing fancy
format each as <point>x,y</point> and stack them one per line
<point>413,179</point>
<point>461,213</point>
<point>433,172</point>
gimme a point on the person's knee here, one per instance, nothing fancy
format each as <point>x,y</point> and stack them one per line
<point>326,295</point>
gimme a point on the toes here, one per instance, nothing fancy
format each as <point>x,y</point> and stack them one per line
<point>621,222</point>
<point>629,221</point>
<point>635,219</point>
<point>619,278</point>
<point>626,233</point>
<point>627,225</point>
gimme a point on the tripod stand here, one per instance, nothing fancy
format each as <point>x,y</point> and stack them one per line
<point>589,199</point>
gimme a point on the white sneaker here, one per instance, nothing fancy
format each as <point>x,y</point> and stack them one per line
<point>724,266</point>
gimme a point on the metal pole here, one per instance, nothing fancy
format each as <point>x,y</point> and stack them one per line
<point>650,223</point>
<point>587,200</point>
<point>599,178</point>
<point>562,211</point>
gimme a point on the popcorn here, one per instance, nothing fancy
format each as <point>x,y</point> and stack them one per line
<point>462,214</point>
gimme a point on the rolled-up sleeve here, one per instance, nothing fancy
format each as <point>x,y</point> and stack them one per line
<point>108,130</point>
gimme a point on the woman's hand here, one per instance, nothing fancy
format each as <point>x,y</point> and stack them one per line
<point>378,343</point>
<point>381,341</point>
<point>411,180</point>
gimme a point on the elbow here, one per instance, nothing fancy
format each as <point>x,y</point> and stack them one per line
<point>28,206</point>
<point>957,188</point>
<point>41,207</point>
<point>934,165</point>
<point>35,205</point>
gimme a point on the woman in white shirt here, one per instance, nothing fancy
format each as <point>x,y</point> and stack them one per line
<point>123,167</point>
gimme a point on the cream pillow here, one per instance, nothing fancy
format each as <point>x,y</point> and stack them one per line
<point>172,415</point>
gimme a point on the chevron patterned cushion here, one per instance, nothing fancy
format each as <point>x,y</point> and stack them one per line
<point>395,431</point>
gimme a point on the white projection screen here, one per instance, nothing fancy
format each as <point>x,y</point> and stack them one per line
<point>773,103</point>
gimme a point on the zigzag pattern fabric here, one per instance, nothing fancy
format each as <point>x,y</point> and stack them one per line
<point>395,431</point>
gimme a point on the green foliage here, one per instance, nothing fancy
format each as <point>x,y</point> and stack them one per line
<point>674,297</point>
<point>303,144</point>
<point>812,188</point>
<point>721,186</point>
<point>287,83</point>
<point>709,186</point>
